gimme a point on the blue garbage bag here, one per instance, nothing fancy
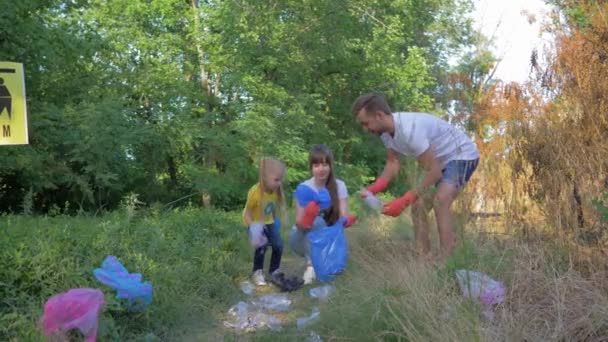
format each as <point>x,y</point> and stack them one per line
<point>324,198</point>
<point>128,286</point>
<point>328,250</point>
<point>305,194</point>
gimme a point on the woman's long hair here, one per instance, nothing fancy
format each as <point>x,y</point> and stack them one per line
<point>321,154</point>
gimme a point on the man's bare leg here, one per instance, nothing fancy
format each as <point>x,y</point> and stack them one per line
<point>420,211</point>
<point>442,202</point>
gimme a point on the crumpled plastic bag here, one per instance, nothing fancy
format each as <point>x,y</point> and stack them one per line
<point>246,318</point>
<point>305,194</point>
<point>313,337</point>
<point>286,284</point>
<point>483,288</point>
<point>373,202</point>
<point>128,286</point>
<point>75,309</point>
<point>247,287</point>
<point>273,302</point>
<point>322,292</point>
<point>302,322</point>
<point>257,238</point>
<point>328,250</point>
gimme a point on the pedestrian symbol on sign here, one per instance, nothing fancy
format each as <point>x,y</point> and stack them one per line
<point>5,99</point>
<point>13,105</point>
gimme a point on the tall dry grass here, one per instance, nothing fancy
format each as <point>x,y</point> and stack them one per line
<point>389,294</point>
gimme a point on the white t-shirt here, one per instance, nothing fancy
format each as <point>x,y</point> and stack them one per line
<point>416,132</point>
<point>341,187</point>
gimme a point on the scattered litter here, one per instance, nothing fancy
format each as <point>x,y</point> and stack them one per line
<point>313,337</point>
<point>128,285</point>
<point>322,292</point>
<point>480,286</point>
<point>301,323</point>
<point>257,238</point>
<point>286,284</point>
<point>239,310</point>
<point>74,309</point>
<point>269,321</point>
<point>247,287</point>
<point>373,202</point>
<point>246,318</point>
<point>273,302</point>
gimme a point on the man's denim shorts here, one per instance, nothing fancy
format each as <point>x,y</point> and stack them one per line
<point>458,172</point>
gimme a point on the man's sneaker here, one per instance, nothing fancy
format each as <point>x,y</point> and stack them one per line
<point>309,275</point>
<point>258,278</point>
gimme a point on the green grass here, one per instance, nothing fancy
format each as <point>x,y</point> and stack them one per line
<point>189,256</point>
<point>195,260</point>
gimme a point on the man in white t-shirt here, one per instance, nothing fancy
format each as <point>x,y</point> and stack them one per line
<point>447,155</point>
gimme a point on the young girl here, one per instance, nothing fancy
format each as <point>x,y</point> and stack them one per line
<point>264,202</point>
<point>321,164</point>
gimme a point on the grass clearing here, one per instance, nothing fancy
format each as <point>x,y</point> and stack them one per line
<point>196,259</point>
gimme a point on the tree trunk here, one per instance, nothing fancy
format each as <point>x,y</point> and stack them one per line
<point>199,48</point>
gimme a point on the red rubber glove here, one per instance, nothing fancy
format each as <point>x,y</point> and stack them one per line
<point>350,220</point>
<point>311,211</point>
<point>379,185</point>
<point>396,206</point>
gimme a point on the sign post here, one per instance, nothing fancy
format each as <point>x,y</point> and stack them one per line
<point>13,111</point>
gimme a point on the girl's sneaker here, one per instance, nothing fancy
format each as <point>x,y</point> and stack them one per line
<point>309,275</point>
<point>258,278</point>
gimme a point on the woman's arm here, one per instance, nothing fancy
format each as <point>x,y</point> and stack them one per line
<point>343,207</point>
<point>299,215</point>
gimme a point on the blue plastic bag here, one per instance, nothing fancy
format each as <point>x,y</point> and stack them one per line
<point>324,198</point>
<point>305,194</point>
<point>328,250</point>
<point>129,286</point>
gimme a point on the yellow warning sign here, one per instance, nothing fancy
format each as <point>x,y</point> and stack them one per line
<point>13,112</point>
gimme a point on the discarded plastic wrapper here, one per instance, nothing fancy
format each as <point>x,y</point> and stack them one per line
<point>480,286</point>
<point>301,323</point>
<point>313,337</point>
<point>322,292</point>
<point>128,285</point>
<point>247,287</point>
<point>74,309</point>
<point>373,202</point>
<point>248,319</point>
<point>257,238</point>
<point>273,301</point>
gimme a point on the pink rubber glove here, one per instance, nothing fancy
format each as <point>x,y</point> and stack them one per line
<point>396,206</point>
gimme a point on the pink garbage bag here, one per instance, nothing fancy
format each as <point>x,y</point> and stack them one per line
<point>480,286</point>
<point>74,309</point>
